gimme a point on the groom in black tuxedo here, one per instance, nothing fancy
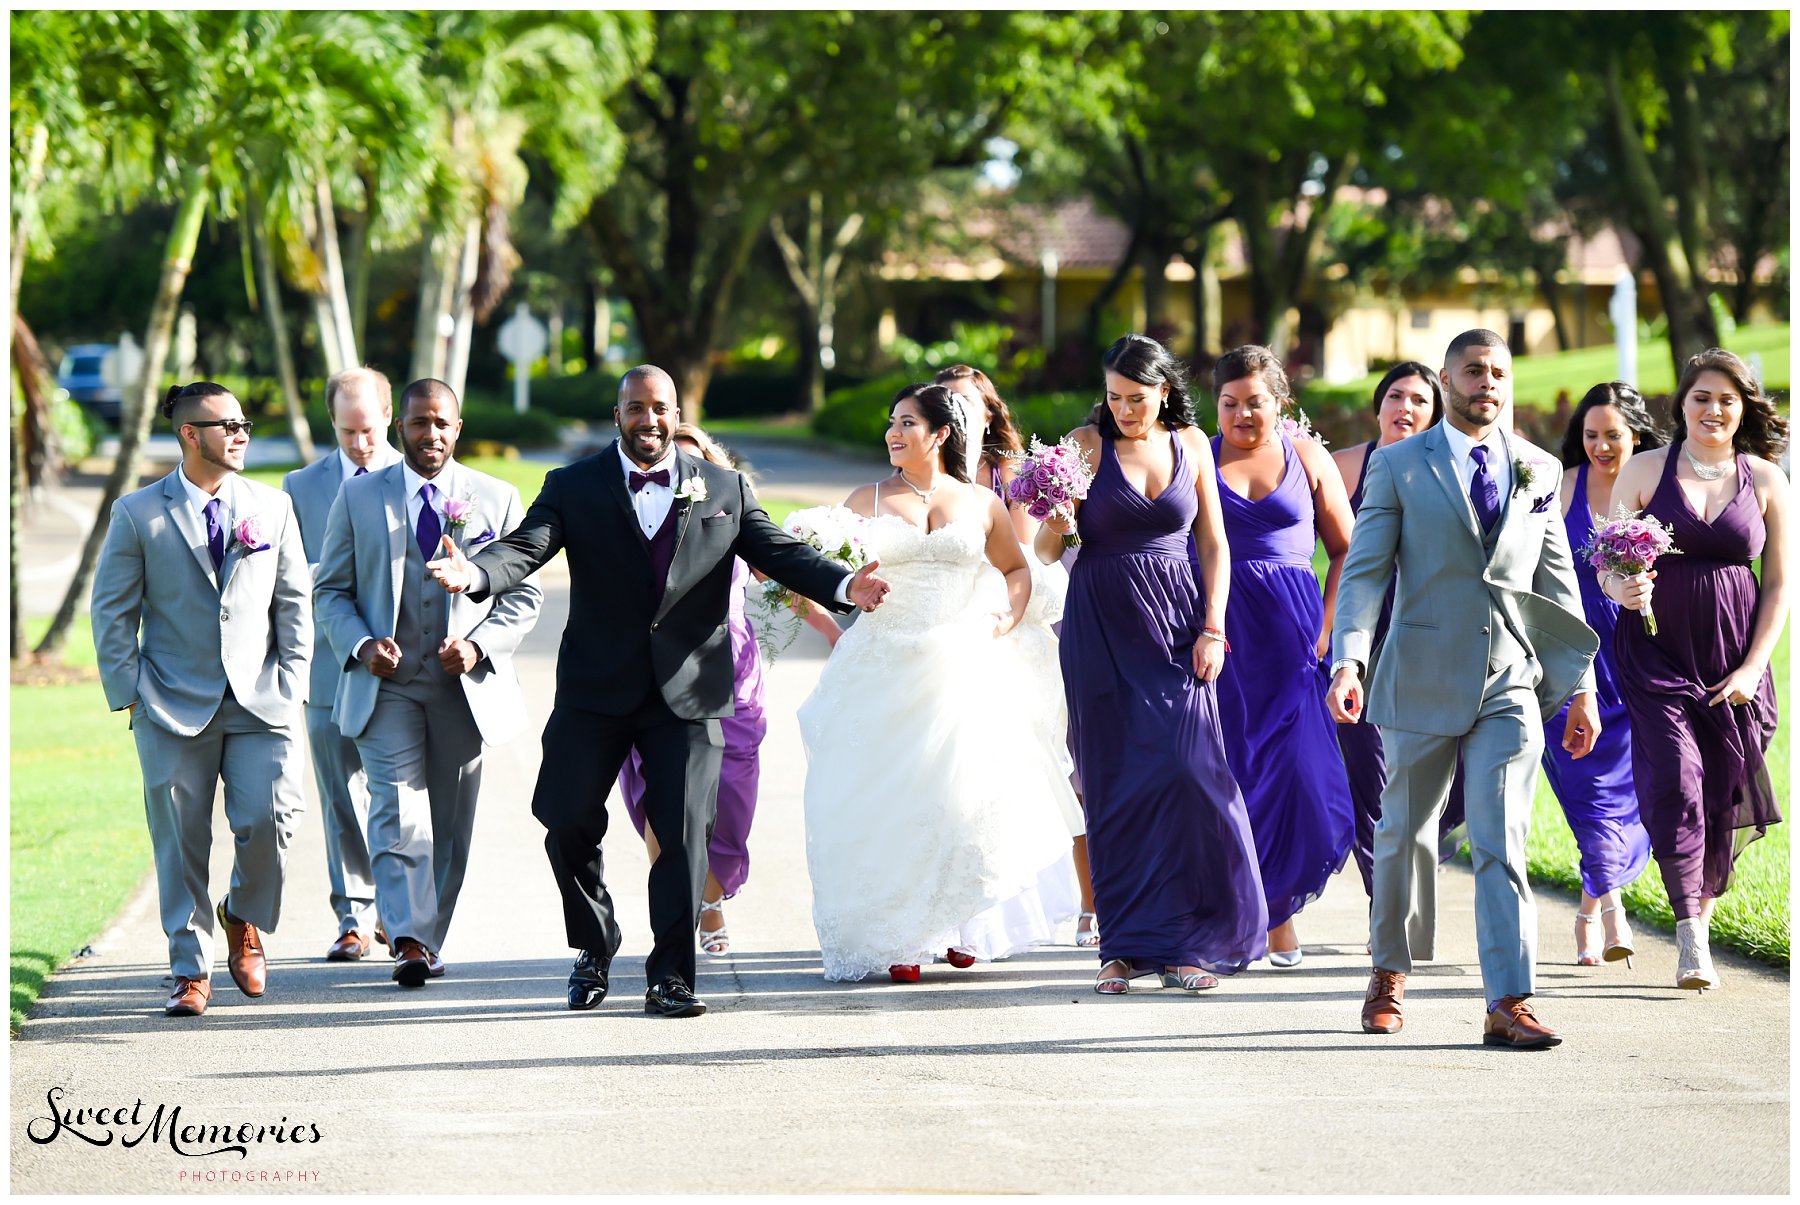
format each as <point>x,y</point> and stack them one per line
<point>651,534</point>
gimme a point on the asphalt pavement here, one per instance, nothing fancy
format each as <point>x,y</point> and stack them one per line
<point>1008,1077</point>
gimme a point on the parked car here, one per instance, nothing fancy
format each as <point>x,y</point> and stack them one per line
<point>81,374</point>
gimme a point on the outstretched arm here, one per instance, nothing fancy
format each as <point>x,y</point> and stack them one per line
<point>791,562</point>
<point>515,556</point>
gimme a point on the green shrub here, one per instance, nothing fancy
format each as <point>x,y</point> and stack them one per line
<point>1050,416</point>
<point>858,414</point>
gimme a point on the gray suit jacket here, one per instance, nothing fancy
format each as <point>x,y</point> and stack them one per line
<point>358,595</point>
<point>1428,674</point>
<point>313,490</point>
<point>253,633</point>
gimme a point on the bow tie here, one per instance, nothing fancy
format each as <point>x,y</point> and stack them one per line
<point>640,480</point>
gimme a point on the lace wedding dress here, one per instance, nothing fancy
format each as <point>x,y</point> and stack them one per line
<point>935,803</point>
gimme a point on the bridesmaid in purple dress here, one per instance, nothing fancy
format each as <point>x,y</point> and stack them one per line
<point>1702,683</point>
<point>728,851</point>
<point>1000,442</point>
<point>1174,864</point>
<point>1280,495</point>
<point>1407,401</point>
<point>1596,792</point>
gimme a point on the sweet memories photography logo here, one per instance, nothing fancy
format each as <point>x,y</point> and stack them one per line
<point>132,1125</point>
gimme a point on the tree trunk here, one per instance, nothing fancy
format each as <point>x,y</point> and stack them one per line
<point>17,601</point>
<point>335,291</point>
<point>1208,308</point>
<point>40,451</point>
<point>1153,264</point>
<point>1691,326</point>
<point>811,391</point>
<point>813,271</point>
<point>428,344</point>
<point>357,259</point>
<point>462,308</point>
<point>1551,289</point>
<point>178,256</point>
<point>270,288</point>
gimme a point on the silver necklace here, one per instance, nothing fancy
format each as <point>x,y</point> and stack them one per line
<point>924,494</point>
<point>1707,472</point>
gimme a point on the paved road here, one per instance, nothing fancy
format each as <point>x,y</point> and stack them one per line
<point>1007,1077</point>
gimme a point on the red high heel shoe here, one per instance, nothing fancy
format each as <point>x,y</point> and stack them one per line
<point>904,974</point>
<point>960,959</point>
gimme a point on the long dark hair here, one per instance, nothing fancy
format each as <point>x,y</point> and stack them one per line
<point>1412,368</point>
<point>1142,359</point>
<point>1621,396</point>
<point>181,399</point>
<point>937,405</point>
<point>1000,436</point>
<point>1762,431</point>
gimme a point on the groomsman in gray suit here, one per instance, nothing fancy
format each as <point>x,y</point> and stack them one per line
<point>361,404</point>
<point>427,676</point>
<point>202,630</point>
<point>1487,643</point>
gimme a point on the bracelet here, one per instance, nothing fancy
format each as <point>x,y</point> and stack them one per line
<point>1215,634</point>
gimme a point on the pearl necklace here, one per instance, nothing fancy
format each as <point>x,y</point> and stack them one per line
<point>1707,472</point>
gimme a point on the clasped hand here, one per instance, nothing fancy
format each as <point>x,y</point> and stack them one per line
<point>866,590</point>
<point>382,657</point>
<point>1631,591</point>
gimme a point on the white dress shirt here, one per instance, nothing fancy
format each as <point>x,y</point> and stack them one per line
<point>415,504</point>
<point>384,456</point>
<point>651,504</point>
<point>198,498</point>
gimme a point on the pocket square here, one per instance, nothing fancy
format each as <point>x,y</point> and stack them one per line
<point>721,517</point>
<point>483,538</point>
<point>1542,504</point>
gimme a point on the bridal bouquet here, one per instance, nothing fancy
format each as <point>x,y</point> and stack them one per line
<point>1630,543</point>
<point>836,534</point>
<point>1050,480</point>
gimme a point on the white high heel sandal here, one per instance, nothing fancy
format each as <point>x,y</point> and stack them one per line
<point>1693,961</point>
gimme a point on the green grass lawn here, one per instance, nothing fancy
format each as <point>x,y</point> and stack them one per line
<point>1538,379</point>
<point>79,842</point>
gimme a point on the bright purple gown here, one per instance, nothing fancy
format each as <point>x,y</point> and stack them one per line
<point>1703,789</point>
<point>728,852</point>
<point>1169,844</point>
<point>1596,792</point>
<point>1279,738</point>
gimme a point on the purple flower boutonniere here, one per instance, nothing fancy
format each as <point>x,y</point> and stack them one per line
<point>247,536</point>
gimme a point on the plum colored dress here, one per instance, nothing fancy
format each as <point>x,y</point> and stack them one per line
<point>1365,762</point>
<point>1169,844</point>
<point>1596,792</point>
<point>1703,789</point>
<point>728,852</point>
<point>1279,738</point>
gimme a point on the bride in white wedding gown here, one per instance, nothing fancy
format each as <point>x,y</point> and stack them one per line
<point>934,794</point>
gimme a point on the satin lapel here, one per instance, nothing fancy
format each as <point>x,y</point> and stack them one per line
<point>684,513</point>
<point>393,501</point>
<point>613,474</point>
<point>1443,467</point>
<point>189,525</point>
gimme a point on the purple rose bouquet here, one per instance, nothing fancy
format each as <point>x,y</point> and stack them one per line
<point>1050,480</point>
<point>1630,543</point>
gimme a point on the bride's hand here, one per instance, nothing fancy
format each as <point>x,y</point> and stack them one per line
<point>1003,623</point>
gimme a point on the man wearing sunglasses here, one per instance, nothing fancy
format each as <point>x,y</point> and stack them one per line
<point>202,630</point>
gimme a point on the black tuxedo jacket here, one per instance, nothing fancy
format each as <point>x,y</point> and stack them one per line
<point>620,642</point>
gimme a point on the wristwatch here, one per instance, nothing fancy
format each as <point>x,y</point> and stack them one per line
<point>1341,662</point>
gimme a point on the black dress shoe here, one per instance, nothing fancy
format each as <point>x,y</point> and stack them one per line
<point>671,998</point>
<point>587,981</point>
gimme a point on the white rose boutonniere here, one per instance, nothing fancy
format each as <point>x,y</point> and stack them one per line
<point>692,490</point>
<point>1527,473</point>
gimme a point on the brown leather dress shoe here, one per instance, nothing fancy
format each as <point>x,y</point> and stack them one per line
<point>1381,1005</point>
<point>189,999</point>
<point>1512,1023</point>
<point>412,964</point>
<point>349,947</point>
<point>244,954</point>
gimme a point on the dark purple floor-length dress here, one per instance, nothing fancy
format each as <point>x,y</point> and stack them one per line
<point>1596,791</point>
<point>1169,844</point>
<point>728,853</point>
<point>1365,762</point>
<point>1278,731</point>
<point>1702,787</point>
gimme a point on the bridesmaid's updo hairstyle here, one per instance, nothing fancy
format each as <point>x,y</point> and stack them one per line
<point>938,406</point>
<point>182,402</point>
<point>1411,368</point>
<point>1621,396</point>
<point>1000,437</point>
<point>1142,359</point>
<point>1252,360</point>
<point>1762,432</point>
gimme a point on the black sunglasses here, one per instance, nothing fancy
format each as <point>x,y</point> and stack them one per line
<point>232,425</point>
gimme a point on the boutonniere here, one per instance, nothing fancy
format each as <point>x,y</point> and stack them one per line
<point>459,515</point>
<point>247,536</point>
<point>1526,473</point>
<point>692,490</point>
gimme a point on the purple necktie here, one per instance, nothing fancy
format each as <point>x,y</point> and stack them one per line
<point>1484,492</point>
<point>359,472</point>
<point>430,529</point>
<point>215,535</point>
